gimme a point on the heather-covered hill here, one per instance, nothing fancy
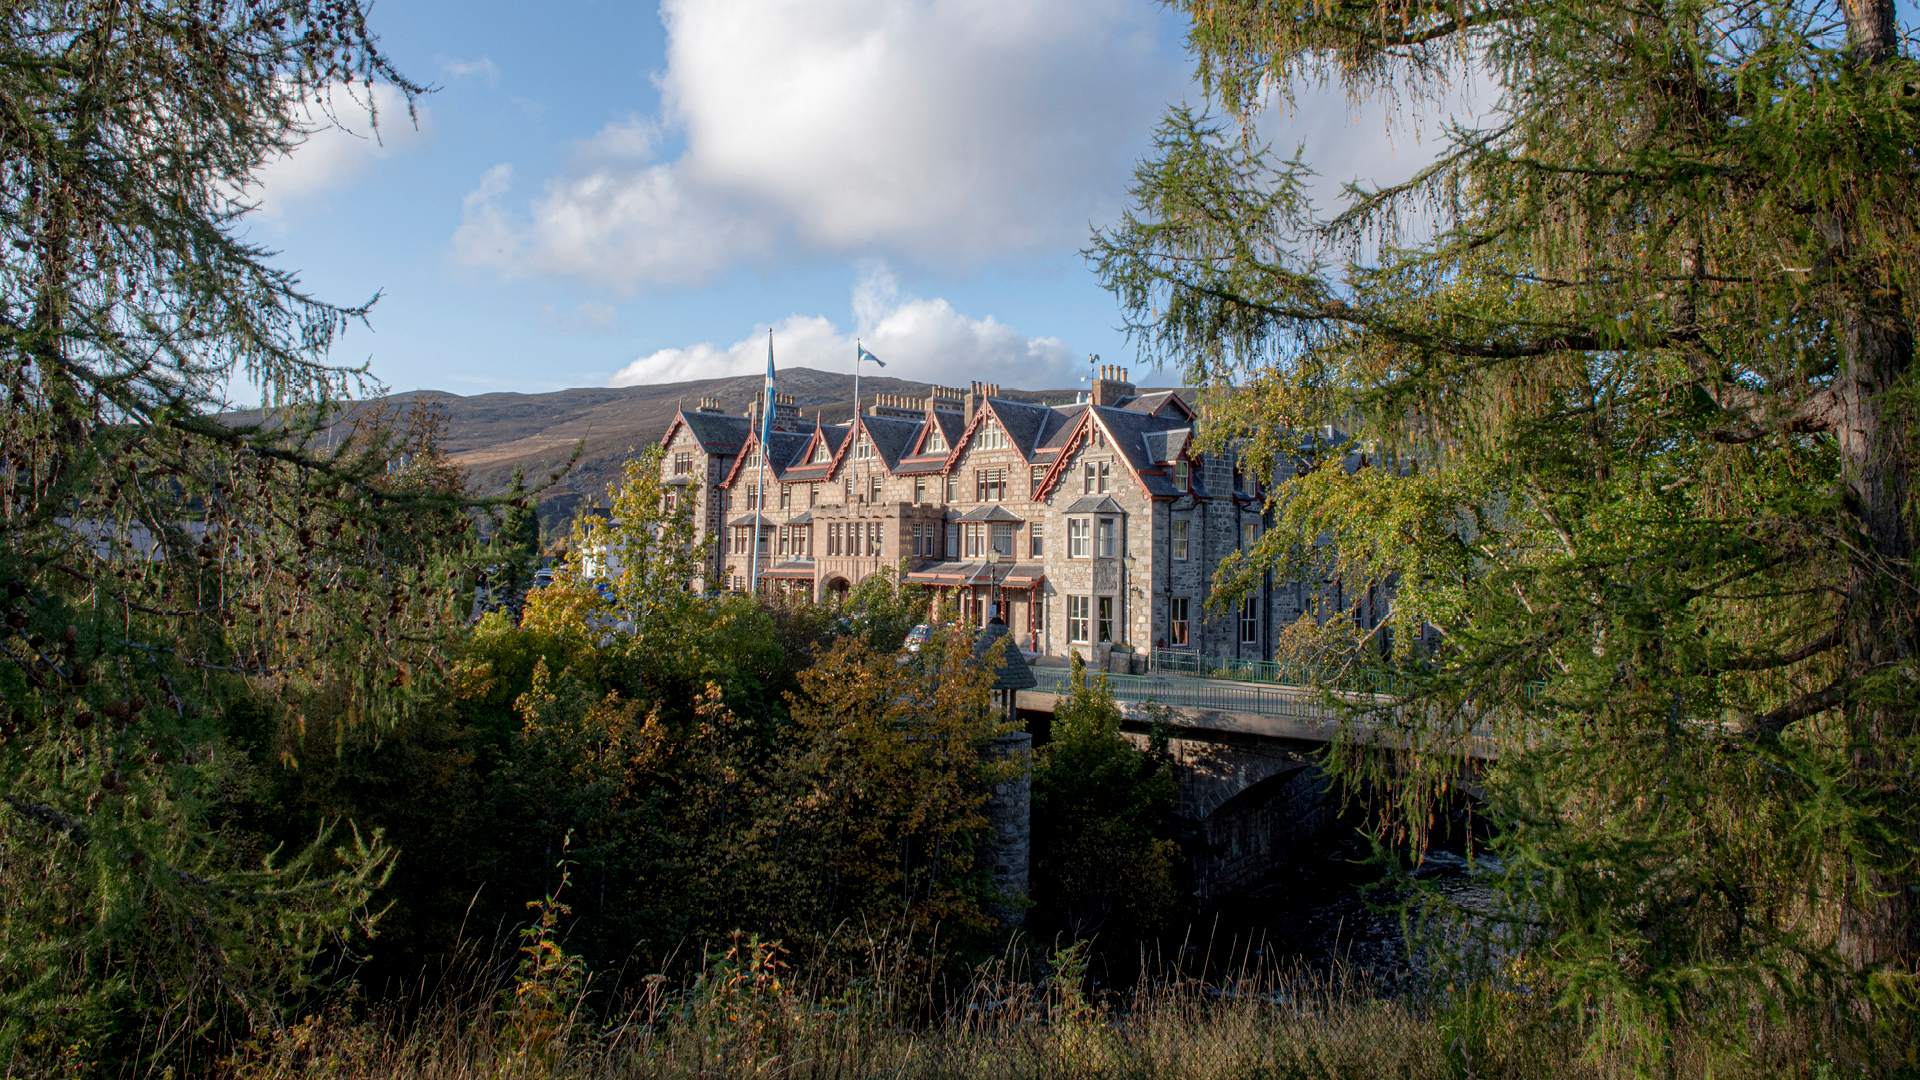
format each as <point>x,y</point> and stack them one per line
<point>491,433</point>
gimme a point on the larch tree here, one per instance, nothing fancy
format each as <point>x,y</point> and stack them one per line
<point>170,574</point>
<point>1635,354</point>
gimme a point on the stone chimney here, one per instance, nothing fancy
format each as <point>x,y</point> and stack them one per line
<point>944,399</point>
<point>786,415</point>
<point>898,406</point>
<point>976,394</point>
<point>1111,386</point>
<point>710,404</point>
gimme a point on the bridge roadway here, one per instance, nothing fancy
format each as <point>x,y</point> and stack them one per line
<point>1234,710</point>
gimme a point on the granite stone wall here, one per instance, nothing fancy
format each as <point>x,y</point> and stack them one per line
<point>1010,816</point>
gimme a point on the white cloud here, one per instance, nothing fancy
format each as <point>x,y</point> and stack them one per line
<point>484,238</point>
<point>342,142</point>
<point>923,340</point>
<point>949,131</point>
<point>483,68</point>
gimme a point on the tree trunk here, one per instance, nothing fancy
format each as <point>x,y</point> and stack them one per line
<point>1877,924</point>
<point>1877,916</point>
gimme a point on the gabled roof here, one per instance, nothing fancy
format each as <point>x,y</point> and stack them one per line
<point>1061,426</point>
<point>1025,425</point>
<point>1127,434</point>
<point>1127,431</point>
<point>892,437</point>
<point>783,448</point>
<point>717,433</point>
<point>1158,402</point>
<point>800,471</point>
<point>951,425</point>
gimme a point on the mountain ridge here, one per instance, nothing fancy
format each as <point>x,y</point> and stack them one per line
<point>489,434</point>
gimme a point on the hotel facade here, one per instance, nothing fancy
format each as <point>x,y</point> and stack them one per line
<point>1091,525</point>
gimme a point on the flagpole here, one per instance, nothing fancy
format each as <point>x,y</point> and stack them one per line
<point>854,432</point>
<point>766,422</point>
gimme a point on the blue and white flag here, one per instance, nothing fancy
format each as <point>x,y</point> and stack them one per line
<point>865,355</point>
<point>766,411</point>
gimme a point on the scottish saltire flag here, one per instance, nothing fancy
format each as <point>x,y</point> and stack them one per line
<point>865,355</point>
<point>766,411</point>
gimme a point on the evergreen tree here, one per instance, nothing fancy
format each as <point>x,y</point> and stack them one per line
<point>1641,375</point>
<point>517,544</point>
<point>180,585</point>
<point>1103,859</point>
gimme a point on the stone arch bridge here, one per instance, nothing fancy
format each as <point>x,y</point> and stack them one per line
<point>1246,755</point>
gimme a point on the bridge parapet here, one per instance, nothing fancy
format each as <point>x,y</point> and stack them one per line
<point>1275,712</point>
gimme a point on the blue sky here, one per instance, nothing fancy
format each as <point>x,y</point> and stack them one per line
<point>604,193</point>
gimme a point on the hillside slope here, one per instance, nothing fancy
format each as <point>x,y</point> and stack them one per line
<point>491,433</point>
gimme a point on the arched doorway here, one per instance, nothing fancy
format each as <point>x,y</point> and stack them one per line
<point>835,588</point>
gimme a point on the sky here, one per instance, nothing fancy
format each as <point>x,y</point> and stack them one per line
<point>607,194</point>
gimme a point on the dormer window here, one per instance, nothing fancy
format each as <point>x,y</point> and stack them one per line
<point>936,441</point>
<point>991,436</point>
<point>753,459</point>
<point>863,450</point>
<point>820,453</point>
<point>1182,475</point>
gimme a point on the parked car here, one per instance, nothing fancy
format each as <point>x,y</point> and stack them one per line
<point>542,578</point>
<point>918,636</point>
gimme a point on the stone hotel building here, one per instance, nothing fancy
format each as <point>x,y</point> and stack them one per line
<point>1107,521</point>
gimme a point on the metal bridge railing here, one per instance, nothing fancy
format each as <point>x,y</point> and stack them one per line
<point>1193,694</point>
<point>1182,662</point>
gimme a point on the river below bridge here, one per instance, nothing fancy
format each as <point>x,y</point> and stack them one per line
<point>1329,917</point>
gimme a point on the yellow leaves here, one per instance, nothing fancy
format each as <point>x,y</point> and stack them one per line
<point>473,681</point>
<point>564,609</point>
<point>531,702</point>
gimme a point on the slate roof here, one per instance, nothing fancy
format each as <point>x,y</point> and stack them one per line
<point>952,425</point>
<point>782,448</point>
<point>1153,403</point>
<point>1095,504</point>
<point>891,437</point>
<point>1006,575</point>
<point>1013,673</point>
<point>1061,426</point>
<point>1025,425</point>
<point>1126,432</point>
<point>1166,445</point>
<point>785,448</point>
<point>717,433</point>
<point>920,466</point>
<point>800,472</point>
<point>990,512</point>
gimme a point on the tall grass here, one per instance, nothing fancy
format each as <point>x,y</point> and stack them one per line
<point>747,1013</point>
